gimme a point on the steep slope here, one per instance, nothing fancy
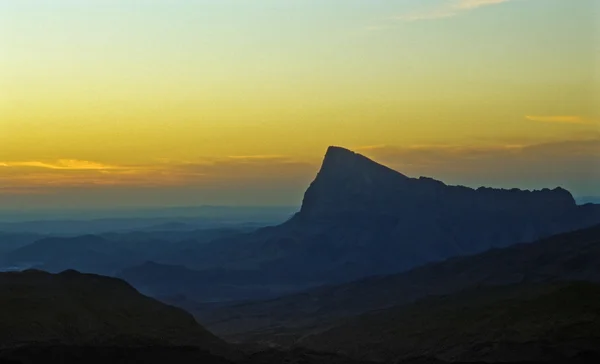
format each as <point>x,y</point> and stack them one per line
<point>76,309</point>
<point>564,257</point>
<point>502,324</point>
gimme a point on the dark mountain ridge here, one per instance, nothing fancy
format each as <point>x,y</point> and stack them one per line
<point>70,308</point>
<point>573,256</point>
<point>349,183</point>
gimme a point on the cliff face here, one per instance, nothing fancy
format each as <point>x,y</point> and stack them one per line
<point>349,183</point>
<point>395,222</point>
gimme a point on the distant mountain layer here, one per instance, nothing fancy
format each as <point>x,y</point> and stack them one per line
<point>588,199</point>
<point>13,241</point>
<point>38,308</point>
<point>103,254</point>
<point>502,324</point>
<point>100,220</point>
<point>163,280</point>
<point>565,257</point>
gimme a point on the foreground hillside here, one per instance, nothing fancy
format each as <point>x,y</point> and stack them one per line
<point>514,323</point>
<point>78,309</point>
<point>191,355</point>
<point>76,318</point>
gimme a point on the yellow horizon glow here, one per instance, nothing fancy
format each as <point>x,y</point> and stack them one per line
<point>103,94</point>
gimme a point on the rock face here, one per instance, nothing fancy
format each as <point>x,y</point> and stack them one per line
<point>70,308</point>
<point>351,184</point>
<point>405,222</point>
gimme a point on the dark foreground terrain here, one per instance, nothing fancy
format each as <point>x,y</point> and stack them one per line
<point>81,318</point>
<point>192,355</point>
<point>531,322</point>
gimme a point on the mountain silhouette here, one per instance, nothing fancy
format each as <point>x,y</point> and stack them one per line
<point>381,221</point>
<point>350,184</point>
<point>359,218</point>
<point>70,308</point>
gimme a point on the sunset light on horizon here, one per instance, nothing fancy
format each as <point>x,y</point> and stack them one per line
<point>182,102</point>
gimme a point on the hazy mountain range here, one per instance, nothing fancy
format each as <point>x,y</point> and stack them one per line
<point>375,266</point>
<point>360,218</point>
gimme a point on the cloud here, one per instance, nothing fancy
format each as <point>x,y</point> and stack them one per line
<point>258,157</point>
<point>474,4</point>
<point>61,164</point>
<point>574,164</point>
<point>563,119</point>
<point>427,15</point>
<point>208,172</point>
<point>369,147</point>
<point>448,9</point>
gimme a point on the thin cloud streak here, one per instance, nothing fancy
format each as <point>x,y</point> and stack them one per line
<point>474,4</point>
<point>448,9</point>
<point>433,15</point>
<point>62,164</point>
<point>561,119</point>
<point>229,171</point>
<point>573,164</point>
<point>258,157</point>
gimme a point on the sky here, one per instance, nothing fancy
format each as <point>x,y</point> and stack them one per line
<point>108,103</point>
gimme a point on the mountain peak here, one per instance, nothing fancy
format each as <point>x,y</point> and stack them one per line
<point>349,183</point>
<point>342,158</point>
<point>339,151</point>
<point>348,180</point>
<point>339,159</point>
